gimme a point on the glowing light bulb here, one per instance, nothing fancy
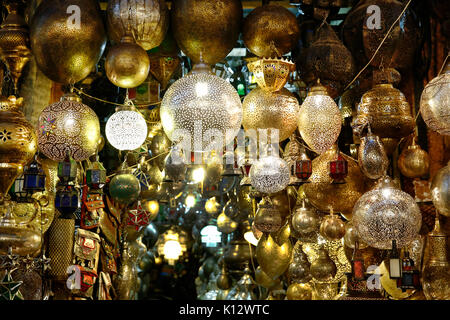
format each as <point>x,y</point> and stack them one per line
<point>172,251</point>
<point>153,206</point>
<point>190,201</point>
<point>250,237</point>
<point>211,206</point>
<point>198,175</point>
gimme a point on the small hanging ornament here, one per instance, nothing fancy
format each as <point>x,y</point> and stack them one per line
<point>299,163</point>
<point>332,227</point>
<point>138,216</point>
<point>67,170</point>
<point>414,162</point>
<point>33,178</point>
<point>214,168</point>
<point>440,190</point>
<point>270,174</point>
<point>245,168</point>
<point>395,264</point>
<point>95,174</point>
<point>299,269</point>
<point>338,169</point>
<point>124,187</point>
<point>267,218</point>
<point>410,275</point>
<point>175,165</point>
<point>67,197</point>
<point>358,268</point>
<point>323,268</point>
<point>372,158</point>
<point>304,220</point>
<point>299,291</point>
<point>271,74</point>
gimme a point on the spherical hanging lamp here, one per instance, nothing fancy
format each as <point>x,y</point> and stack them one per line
<point>386,213</point>
<point>68,126</point>
<point>278,110</point>
<point>127,64</point>
<point>201,105</point>
<point>319,119</point>
<point>270,174</point>
<point>435,103</point>
<point>126,129</point>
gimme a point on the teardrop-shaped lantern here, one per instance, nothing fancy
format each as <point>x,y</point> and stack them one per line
<point>414,162</point>
<point>319,119</point>
<point>372,158</point>
<point>327,59</point>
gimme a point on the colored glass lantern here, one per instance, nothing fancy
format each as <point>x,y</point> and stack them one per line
<point>67,169</point>
<point>96,175</point>
<point>245,168</point>
<point>33,178</point>
<point>66,201</point>
<point>338,169</point>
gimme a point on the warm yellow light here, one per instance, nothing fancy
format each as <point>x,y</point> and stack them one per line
<point>198,175</point>
<point>250,237</point>
<point>190,201</point>
<point>211,206</point>
<point>172,250</point>
<point>153,206</point>
<point>201,89</point>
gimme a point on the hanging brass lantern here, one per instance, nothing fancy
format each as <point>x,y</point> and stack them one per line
<point>273,257</point>
<point>271,74</point>
<point>372,158</point>
<point>362,33</point>
<point>148,19</point>
<point>18,142</point>
<point>319,119</point>
<point>332,227</point>
<point>299,291</point>
<point>414,162</point>
<point>387,111</point>
<point>270,31</point>
<point>327,59</point>
<point>206,30</point>
<point>342,197</point>
<point>323,268</point>
<point>127,64</point>
<point>300,165</point>
<point>267,218</point>
<point>436,269</point>
<point>67,51</point>
<point>14,42</point>
<point>440,190</point>
<point>271,110</point>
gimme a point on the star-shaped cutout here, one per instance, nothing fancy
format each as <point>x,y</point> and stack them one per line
<point>9,289</point>
<point>138,217</point>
